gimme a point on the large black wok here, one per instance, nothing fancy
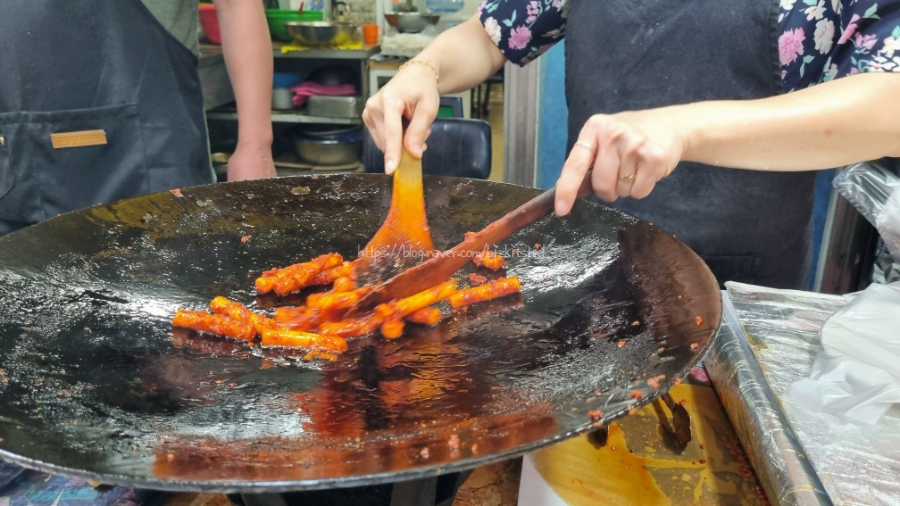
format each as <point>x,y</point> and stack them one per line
<point>95,383</point>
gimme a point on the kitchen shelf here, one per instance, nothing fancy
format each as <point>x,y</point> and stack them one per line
<point>287,164</point>
<point>212,51</point>
<point>327,54</point>
<point>211,56</point>
<point>298,116</point>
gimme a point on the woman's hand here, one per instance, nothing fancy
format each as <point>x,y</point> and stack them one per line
<point>837,123</point>
<point>629,152</point>
<point>464,56</point>
<point>412,92</point>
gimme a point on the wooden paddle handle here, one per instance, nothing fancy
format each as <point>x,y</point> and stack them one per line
<point>516,220</point>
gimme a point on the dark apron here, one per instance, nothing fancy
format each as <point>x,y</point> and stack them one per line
<point>93,66</point>
<point>751,227</point>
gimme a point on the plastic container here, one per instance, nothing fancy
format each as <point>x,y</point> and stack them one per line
<point>210,23</point>
<point>278,17</point>
<point>287,79</point>
<point>282,99</point>
<point>328,132</point>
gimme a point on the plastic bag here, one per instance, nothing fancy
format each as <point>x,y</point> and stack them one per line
<point>856,376</point>
<point>875,191</point>
<point>888,223</point>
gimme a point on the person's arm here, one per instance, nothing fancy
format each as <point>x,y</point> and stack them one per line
<point>841,122</point>
<point>463,57</point>
<point>844,121</point>
<point>248,55</point>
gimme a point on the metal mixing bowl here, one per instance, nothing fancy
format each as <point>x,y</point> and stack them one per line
<point>322,33</point>
<point>328,153</point>
<point>328,148</point>
<point>411,22</point>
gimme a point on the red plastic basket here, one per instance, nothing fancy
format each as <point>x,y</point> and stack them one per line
<point>210,23</point>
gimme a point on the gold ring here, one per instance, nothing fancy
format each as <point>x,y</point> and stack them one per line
<point>628,177</point>
<point>585,146</point>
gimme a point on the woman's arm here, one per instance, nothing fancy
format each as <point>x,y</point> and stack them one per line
<point>837,123</point>
<point>248,54</point>
<point>463,56</point>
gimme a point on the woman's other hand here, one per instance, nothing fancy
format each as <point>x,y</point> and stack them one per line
<point>460,58</point>
<point>833,124</point>
<point>629,152</point>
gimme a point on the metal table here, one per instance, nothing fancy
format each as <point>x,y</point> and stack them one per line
<point>769,340</point>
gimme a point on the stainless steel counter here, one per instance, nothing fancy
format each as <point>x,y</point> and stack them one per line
<point>800,460</point>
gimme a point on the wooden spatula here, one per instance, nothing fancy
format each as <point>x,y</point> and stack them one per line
<point>404,238</point>
<point>440,267</point>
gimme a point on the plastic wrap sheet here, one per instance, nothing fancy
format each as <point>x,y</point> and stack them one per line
<point>874,190</point>
<point>773,448</point>
<point>885,269</point>
<point>856,465</point>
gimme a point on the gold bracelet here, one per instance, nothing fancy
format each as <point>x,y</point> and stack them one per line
<point>422,62</point>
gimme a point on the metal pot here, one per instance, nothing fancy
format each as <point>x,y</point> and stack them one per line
<point>411,22</point>
<point>340,12</point>
<point>322,33</point>
<point>328,151</point>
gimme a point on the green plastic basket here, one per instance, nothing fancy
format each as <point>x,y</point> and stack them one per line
<point>278,17</point>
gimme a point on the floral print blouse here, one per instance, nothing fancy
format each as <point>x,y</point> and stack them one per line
<point>819,40</point>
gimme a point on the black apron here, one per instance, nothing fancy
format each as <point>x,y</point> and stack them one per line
<point>123,91</point>
<point>621,55</point>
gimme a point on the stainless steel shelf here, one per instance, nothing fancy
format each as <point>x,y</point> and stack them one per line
<point>287,117</point>
<point>327,54</point>
<point>210,51</point>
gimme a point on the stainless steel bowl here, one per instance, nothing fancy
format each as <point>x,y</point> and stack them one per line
<point>411,22</point>
<point>322,33</point>
<point>328,152</point>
